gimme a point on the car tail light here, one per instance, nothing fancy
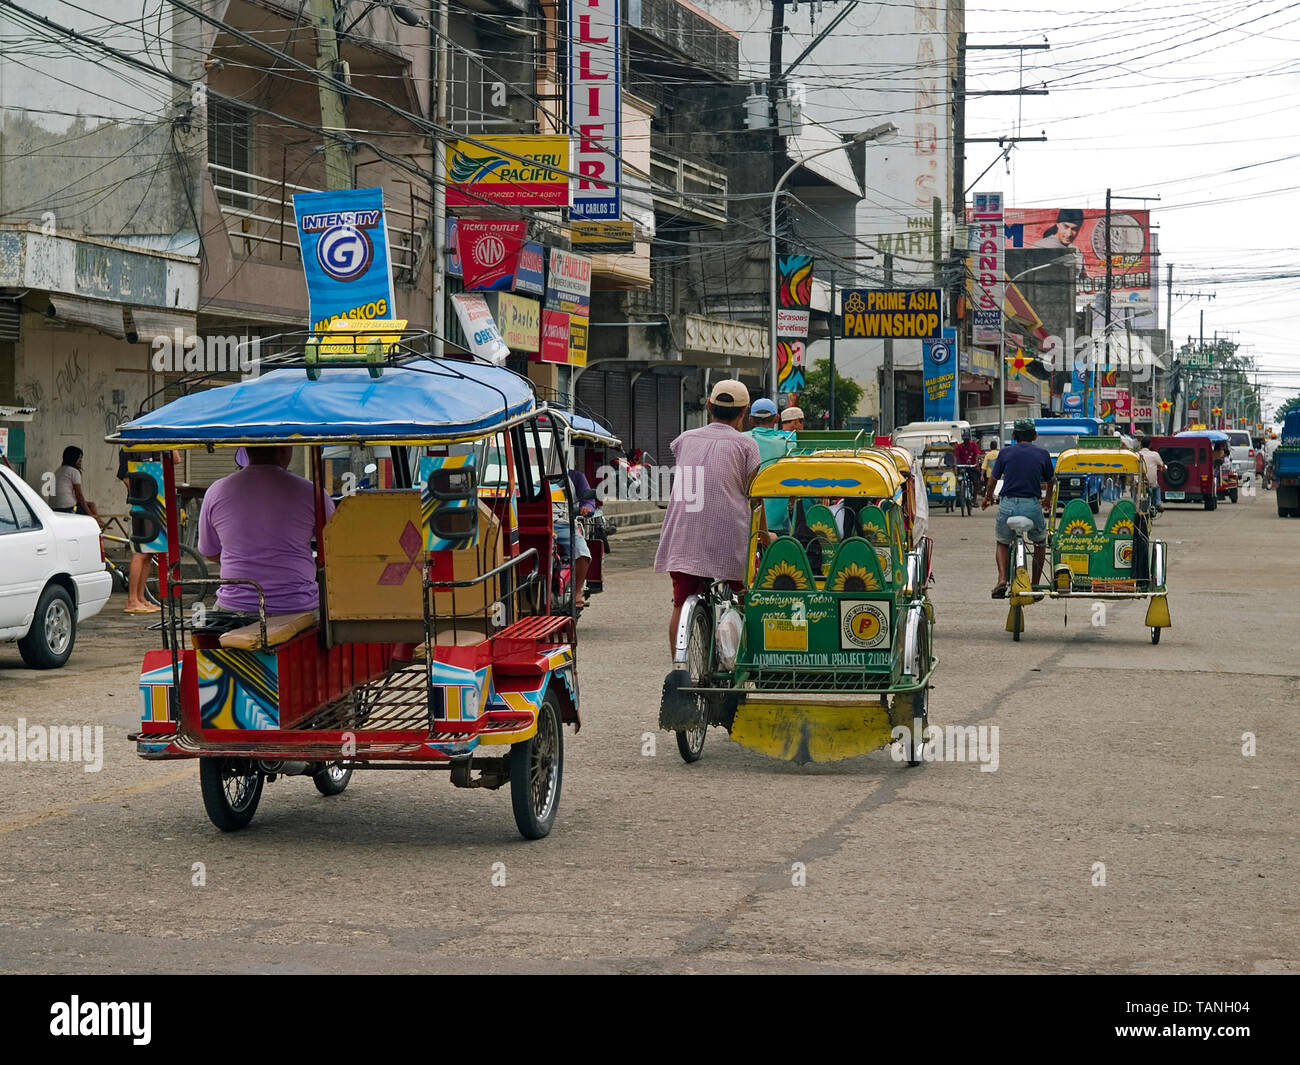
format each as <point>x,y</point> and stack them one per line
<point>102,557</point>
<point>1204,478</point>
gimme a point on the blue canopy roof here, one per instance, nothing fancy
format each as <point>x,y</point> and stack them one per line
<point>1212,434</point>
<point>424,399</point>
<point>581,425</point>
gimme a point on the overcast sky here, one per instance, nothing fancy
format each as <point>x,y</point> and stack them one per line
<point>1196,102</point>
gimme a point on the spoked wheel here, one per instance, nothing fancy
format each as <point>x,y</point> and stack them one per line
<point>690,742</point>
<point>332,778</point>
<point>536,773</point>
<point>1017,622</point>
<point>232,788</point>
<point>193,568</point>
<point>1155,635</point>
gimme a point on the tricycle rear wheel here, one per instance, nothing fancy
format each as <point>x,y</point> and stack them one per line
<point>332,778</point>
<point>232,788</point>
<point>690,742</point>
<point>537,771</point>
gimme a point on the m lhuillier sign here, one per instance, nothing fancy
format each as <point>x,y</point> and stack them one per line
<point>595,106</point>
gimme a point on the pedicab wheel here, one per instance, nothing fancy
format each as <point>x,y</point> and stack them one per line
<point>332,778</point>
<point>690,742</point>
<point>1232,496</point>
<point>913,709</point>
<point>1017,622</point>
<point>536,772</point>
<point>232,788</point>
<point>1155,635</point>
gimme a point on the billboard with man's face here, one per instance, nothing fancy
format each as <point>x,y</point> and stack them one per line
<point>1079,237</point>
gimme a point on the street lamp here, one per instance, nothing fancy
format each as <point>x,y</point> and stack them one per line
<point>1002,344</point>
<point>879,134</point>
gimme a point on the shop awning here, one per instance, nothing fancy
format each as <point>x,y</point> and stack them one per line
<point>106,317</point>
<point>150,322</point>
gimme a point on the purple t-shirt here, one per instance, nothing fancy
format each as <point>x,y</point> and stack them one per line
<point>261,521</point>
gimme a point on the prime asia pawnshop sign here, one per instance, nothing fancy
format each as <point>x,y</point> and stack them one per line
<point>897,314</point>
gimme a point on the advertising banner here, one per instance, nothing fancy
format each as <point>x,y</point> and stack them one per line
<point>595,107</point>
<point>489,252</point>
<point>520,321</point>
<point>793,295</point>
<point>604,238</point>
<point>568,282</point>
<point>791,323</point>
<point>454,268</point>
<point>555,337</point>
<point>789,365</point>
<point>907,313</point>
<point>987,266</point>
<point>939,358</point>
<point>530,270</point>
<point>1123,405</point>
<point>1079,235</point>
<point>577,341</point>
<point>343,241</point>
<point>476,176</point>
<point>480,327</point>
<point>981,363</point>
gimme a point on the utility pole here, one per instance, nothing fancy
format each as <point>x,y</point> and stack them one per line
<point>887,394</point>
<point>438,294</point>
<point>775,81</point>
<point>1105,317</point>
<point>834,327</point>
<point>338,168</point>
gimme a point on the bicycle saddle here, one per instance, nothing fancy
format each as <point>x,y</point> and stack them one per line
<point>1019,524</point>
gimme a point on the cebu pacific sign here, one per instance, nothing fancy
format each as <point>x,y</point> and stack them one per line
<point>522,171</point>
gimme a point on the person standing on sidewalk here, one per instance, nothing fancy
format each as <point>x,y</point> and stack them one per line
<point>705,534</point>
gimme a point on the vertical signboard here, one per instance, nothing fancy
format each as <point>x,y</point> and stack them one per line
<point>343,241</point>
<point>594,107</point>
<point>987,253</point>
<point>794,295</point>
<point>940,360</point>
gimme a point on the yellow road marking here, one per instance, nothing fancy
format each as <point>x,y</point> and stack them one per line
<point>114,793</point>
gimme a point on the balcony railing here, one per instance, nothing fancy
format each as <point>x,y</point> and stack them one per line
<point>698,191</point>
<point>259,212</point>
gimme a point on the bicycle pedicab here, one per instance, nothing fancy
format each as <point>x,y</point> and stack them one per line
<point>434,639</point>
<point>1109,557</point>
<point>821,660</point>
<point>939,467</point>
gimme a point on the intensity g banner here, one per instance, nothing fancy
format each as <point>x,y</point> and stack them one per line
<point>343,242</point>
<point>987,266</point>
<point>595,105</point>
<point>939,403</point>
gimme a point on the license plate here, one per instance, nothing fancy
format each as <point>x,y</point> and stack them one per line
<point>1175,495</point>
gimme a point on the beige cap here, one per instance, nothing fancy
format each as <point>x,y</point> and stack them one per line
<point>729,394</point>
<point>791,413</point>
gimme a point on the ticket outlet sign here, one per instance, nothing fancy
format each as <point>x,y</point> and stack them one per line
<point>899,314</point>
<point>595,99</point>
<point>489,253</point>
<point>343,241</point>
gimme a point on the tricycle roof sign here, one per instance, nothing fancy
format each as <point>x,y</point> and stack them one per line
<point>424,399</point>
<point>862,474</point>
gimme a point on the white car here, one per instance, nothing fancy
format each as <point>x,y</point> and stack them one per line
<point>52,574</point>
<point>1243,451</point>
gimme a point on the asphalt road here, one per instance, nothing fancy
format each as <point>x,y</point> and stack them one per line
<point>1111,751</point>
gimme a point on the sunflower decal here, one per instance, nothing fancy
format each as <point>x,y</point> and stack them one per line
<point>826,532</point>
<point>1078,526</point>
<point>1124,525</point>
<point>855,578</point>
<point>873,533</point>
<point>785,577</point>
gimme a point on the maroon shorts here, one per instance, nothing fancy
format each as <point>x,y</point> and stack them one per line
<point>686,585</point>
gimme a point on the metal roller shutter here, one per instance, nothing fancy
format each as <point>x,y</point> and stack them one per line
<point>670,414</point>
<point>645,414</point>
<point>608,394</point>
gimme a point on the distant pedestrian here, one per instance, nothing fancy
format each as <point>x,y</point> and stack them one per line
<point>792,419</point>
<point>1154,464</point>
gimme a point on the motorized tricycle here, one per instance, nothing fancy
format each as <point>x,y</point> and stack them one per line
<point>435,637</point>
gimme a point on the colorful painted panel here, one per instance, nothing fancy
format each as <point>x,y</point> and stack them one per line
<point>437,509</point>
<point>155,678</point>
<point>148,513</point>
<point>238,689</point>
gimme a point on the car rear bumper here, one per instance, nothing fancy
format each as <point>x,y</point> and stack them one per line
<point>93,590</point>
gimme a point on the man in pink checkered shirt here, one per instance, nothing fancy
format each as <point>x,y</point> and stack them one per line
<point>705,533</point>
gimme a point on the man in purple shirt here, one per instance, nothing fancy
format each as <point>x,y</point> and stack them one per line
<point>259,522</point>
<point>705,533</point>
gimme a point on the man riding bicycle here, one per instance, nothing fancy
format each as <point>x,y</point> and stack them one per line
<point>967,453</point>
<point>1025,470</point>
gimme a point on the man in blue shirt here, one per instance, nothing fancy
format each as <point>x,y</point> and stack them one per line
<point>1024,468</point>
<point>773,444</point>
